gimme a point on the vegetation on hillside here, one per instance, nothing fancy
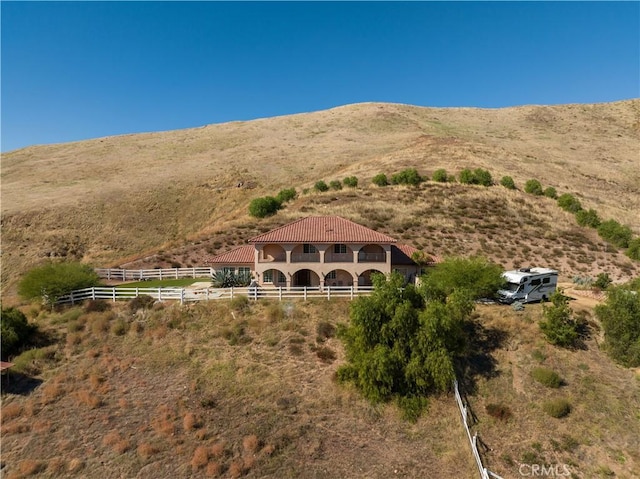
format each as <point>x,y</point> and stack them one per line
<point>52,280</point>
<point>15,331</point>
<point>559,326</point>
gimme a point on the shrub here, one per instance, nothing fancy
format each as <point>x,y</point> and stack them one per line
<point>557,407</point>
<point>15,331</point>
<point>547,377</point>
<point>239,303</point>
<point>53,280</point>
<point>507,182</point>
<point>440,176</point>
<point>263,207</point>
<point>325,330</point>
<point>478,176</point>
<point>558,326</point>
<point>620,318</point>
<point>350,181</point>
<point>96,306</point>
<point>412,407</point>
<point>321,186</point>
<point>325,354</point>
<point>569,203</point>
<point>499,411</point>
<point>287,194</point>
<point>634,249</point>
<point>615,233</point>
<point>551,192</point>
<point>602,281</point>
<point>533,187</point>
<point>466,177</point>
<point>230,279</point>
<point>588,218</point>
<point>478,276</point>
<point>335,185</point>
<point>143,301</point>
<point>410,176</point>
<point>380,180</point>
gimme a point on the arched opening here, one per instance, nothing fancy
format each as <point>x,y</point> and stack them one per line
<point>338,253</point>
<point>305,253</point>
<point>305,277</point>
<point>365,278</point>
<point>274,277</point>
<point>372,253</point>
<point>338,277</point>
<point>273,253</point>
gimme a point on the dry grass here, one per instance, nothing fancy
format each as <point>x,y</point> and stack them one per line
<point>200,458</point>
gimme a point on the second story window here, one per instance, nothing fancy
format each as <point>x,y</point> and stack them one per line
<point>340,248</point>
<point>309,248</point>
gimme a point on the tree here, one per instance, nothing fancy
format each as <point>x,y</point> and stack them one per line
<point>350,181</point>
<point>507,182</point>
<point>479,277</point>
<point>559,327</point>
<point>52,280</point>
<point>620,318</point>
<point>466,177</point>
<point>380,180</point>
<point>399,346</point>
<point>335,185</point>
<point>588,218</point>
<point>287,194</point>
<point>569,203</point>
<point>533,187</point>
<point>550,192</point>
<point>321,186</point>
<point>615,233</point>
<point>265,206</point>
<point>634,249</point>
<point>15,331</point>
<point>482,177</point>
<point>440,176</point>
<point>410,176</point>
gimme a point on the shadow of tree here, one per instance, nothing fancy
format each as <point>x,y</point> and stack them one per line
<point>18,383</point>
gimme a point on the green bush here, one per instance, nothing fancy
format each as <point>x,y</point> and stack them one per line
<point>53,280</point>
<point>380,180</point>
<point>620,318</point>
<point>569,203</point>
<point>476,275</point>
<point>229,279</point>
<point>478,176</point>
<point>557,408</point>
<point>588,218</point>
<point>533,187</point>
<point>335,185</point>
<point>547,377</point>
<point>615,233</point>
<point>634,249</point>
<point>602,281</point>
<point>551,192</point>
<point>507,182</point>
<point>321,186</point>
<point>263,207</point>
<point>559,327</point>
<point>410,176</point>
<point>287,194</point>
<point>440,176</point>
<point>350,181</point>
<point>239,303</point>
<point>15,331</point>
<point>466,177</point>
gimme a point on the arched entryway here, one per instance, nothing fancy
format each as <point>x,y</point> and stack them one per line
<point>372,253</point>
<point>274,277</point>
<point>305,277</point>
<point>365,278</point>
<point>338,277</point>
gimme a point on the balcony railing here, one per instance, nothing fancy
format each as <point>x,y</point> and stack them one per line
<point>305,257</point>
<point>338,258</point>
<point>278,258</point>
<point>372,257</point>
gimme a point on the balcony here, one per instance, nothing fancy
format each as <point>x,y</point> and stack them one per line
<point>338,258</point>
<point>305,257</point>
<point>372,257</point>
<point>278,258</point>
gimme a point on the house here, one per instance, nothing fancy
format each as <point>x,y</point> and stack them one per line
<point>319,251</point>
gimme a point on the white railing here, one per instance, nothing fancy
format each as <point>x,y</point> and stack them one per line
<point>187,295</point>
<point>473,440</point>
<point>146,274</point>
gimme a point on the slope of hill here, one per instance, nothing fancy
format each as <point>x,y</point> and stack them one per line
<point>111,199</point>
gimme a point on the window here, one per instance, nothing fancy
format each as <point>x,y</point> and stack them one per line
<point>228,270</point>
<point>281,277</point>
<point>267,276</point>
<point>309,248</point>
<point>546,280</point>
<point>331,275</point>
<point>340,248</point>
<point>535,282</point>
<point>243,270</point>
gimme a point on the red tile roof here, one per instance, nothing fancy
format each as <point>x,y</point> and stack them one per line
<point>322,229</point>
<point>243,254</point>
<point>401,254</point>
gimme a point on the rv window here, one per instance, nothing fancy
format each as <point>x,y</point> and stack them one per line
<point>546,280</point>
<point>535,282</point>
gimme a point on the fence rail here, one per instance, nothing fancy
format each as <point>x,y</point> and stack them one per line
<point>145,274</point>
<point>473,440</point>
<point>188,295</point>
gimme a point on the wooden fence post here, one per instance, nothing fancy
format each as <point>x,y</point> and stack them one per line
<point>351,291</point>
<point>160,273</point>
<point>181,295</point>
<point>176,273</point>
<point>93,293</point>
<point>305,293</point>
<point>113,290</point>
<point>328,293</point>
<point>280,293</point>
<point>231,292</point>
<point>159,294</point>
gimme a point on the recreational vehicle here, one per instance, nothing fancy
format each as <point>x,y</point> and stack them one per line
<point>528,284</point>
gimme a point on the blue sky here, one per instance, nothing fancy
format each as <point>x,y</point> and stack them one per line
<point>78,70</point>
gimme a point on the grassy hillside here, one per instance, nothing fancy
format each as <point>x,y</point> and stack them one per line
<point>112,200</point>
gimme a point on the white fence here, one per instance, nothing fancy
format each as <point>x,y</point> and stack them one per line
<point>144,274</point>
<point>473,440</point>
<point>186,295</point>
